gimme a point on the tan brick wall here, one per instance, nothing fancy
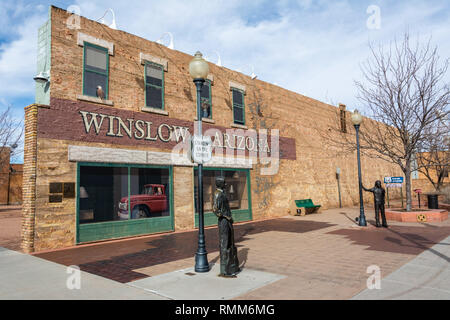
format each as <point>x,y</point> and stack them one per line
<point>15,184</point>
<point>183,186</point>
<point>55,222</point>
<point>29,178</point>
<point>4,172</point>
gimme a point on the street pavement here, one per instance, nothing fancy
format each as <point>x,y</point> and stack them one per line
<point>317,256</point>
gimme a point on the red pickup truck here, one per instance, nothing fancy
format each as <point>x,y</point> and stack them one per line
<point>153,199</point>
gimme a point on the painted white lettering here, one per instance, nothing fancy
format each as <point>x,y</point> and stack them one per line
<point>123,126</point>
<point>138,124</point>
<point>149,131</point>
<point>180,132</point>
<point>88,124</point>
<point>169,129</point>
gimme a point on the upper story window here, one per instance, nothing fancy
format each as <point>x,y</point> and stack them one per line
<point>95,71</point>
<point>154,85</point>
<point>206,100</point>
<point>238,106</point>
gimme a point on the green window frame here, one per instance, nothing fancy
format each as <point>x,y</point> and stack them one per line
<point>126,228</point>
<point>88,69</point>
<point>209,99</point>
<point>149,103</point>
<point>237,105</point>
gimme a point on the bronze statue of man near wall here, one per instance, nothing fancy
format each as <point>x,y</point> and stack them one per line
<point>378,199</point>
<point>229,264</point>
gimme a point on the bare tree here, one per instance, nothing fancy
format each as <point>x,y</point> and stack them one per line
<point>11,133</point>
<point>433,156</point>
<point>403,88</point>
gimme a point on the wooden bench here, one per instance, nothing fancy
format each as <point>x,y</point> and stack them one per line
<point>307,204</point>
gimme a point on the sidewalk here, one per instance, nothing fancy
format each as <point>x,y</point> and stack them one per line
<point>26,277</point>
<point>425,277</point>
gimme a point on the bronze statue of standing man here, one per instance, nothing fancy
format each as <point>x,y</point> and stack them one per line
<point>229,264</point>
<point>378,199</point>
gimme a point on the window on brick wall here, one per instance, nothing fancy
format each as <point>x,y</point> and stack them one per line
<point>95,70</point>
<point>238,106</point>
<point>205,97</point>
<point>154,85</point>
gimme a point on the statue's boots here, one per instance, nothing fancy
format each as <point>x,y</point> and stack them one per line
<point>383,219</point>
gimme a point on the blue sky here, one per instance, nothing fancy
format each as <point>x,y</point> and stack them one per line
<point>310,47</point>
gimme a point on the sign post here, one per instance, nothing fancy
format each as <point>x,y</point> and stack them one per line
<point>394,182</point>
<point>201,149</point>
<point>418,191</point>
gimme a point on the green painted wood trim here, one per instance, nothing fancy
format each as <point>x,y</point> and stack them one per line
<point>239,106</point>
<point>249,195</point>
<point>85,68</point>
<point>126,228</point>
<point>152,85</point>
<point>77,207</point>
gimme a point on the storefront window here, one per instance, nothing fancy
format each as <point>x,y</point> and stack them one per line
<point>104,196</point>
<point>149,193</point>
<point>101,191</point>
<point>236,188</point>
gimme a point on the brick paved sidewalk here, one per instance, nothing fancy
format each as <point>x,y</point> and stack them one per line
<point>323,256</point>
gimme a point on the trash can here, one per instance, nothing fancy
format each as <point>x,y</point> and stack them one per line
<point>433,201</point>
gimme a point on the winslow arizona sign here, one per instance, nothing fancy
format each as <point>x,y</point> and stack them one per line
<point>85,122</point>
<point>145,130</point>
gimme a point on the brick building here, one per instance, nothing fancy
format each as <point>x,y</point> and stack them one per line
<point>10,179</point>
<point>86,158</point>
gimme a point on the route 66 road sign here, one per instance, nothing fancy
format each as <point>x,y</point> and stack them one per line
<point>201,149</point>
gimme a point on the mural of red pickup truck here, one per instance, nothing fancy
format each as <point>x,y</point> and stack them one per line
<point>152,200</point>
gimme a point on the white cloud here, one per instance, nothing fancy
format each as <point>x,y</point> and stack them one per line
<point>18,56</point>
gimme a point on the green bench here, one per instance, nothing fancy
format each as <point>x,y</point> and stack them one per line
<point>307,204</point>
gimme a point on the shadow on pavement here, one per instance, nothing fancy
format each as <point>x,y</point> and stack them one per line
<point>398,239</point>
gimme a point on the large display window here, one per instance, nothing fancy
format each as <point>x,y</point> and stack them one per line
<point>237,190</point>
<point>101,190</point>
<point>123,200</point>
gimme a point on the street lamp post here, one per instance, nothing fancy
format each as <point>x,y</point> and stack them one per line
<point>357,119</point>
<point>198,69</point>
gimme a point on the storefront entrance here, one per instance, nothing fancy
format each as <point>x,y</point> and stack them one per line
<point>117,200</point>
<point>238,191</point>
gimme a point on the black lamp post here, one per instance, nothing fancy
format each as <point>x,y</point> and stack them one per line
<point>198,69</point>
<point>357,119</point>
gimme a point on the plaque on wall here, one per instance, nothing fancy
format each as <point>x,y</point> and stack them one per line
<point>56,187</point>
<point>69,190</point>
<point>54,198</point>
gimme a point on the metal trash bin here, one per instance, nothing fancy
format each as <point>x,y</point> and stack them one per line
<point>433,201</point>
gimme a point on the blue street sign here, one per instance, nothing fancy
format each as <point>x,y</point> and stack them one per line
<point>393,179</point>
